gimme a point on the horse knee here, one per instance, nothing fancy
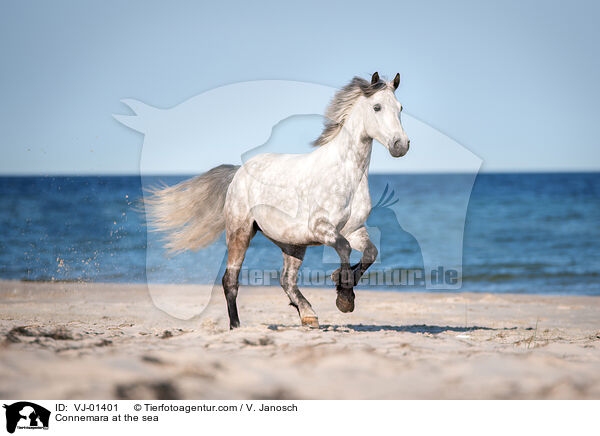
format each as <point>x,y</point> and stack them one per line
<point>322,230</point>
<point>370,254</point>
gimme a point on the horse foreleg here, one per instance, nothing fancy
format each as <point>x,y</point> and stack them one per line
<point>327,234</point>
<point>292,259</point>
<point>359,240</point>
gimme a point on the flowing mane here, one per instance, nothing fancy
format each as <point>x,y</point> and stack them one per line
<point>339,109</point>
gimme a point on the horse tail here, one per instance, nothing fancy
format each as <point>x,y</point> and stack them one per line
<point>191,212</point>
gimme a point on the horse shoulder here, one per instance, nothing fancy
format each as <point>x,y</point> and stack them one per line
<point>360,207</point>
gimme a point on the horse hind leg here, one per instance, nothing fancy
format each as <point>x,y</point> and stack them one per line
<point>237,245</point>
<point>292,260</point>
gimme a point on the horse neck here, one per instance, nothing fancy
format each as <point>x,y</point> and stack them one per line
<point>353,147</point>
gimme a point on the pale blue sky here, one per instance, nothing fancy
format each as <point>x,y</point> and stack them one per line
<point>515,82</point>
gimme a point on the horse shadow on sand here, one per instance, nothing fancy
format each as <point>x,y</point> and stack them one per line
<point>409,328</point>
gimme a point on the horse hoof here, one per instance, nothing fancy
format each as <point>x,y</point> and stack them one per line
<point>345,304</point>
<point>311,321</point>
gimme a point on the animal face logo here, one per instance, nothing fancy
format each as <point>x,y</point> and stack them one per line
<point>276,116</point>
<point>26,415</point>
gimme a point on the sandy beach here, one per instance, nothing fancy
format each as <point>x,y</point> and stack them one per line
<point>108,341</point>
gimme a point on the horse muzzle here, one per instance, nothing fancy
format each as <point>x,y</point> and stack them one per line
<point>400,147</point>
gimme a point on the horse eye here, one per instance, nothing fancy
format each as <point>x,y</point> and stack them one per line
<point>377,107</point>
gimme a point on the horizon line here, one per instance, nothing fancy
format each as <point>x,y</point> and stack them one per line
<point>375,173</point>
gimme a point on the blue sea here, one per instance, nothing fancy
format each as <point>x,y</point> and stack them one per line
<point>505,233</point>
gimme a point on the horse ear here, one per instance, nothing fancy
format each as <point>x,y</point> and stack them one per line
<point>375,78</point>
<point>396,81</point>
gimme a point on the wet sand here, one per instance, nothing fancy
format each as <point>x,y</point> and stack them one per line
<point>107,341</point>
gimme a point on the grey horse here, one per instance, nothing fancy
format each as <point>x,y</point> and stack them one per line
<point>295,200</point>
